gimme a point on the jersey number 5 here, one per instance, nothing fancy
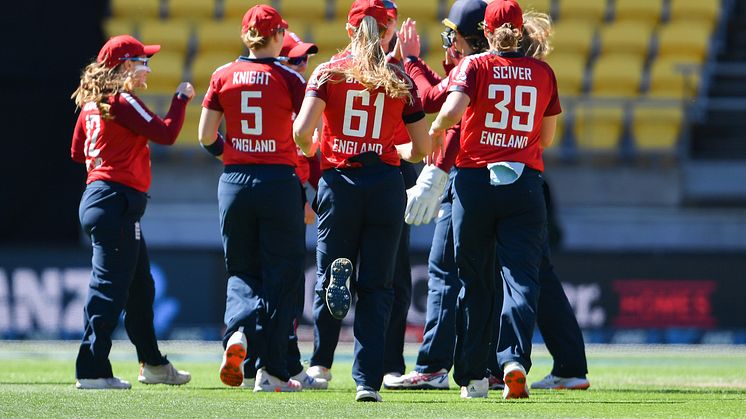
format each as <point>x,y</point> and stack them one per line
<point>521,105</point>
<point>251,110</point>
<point>351,112</point>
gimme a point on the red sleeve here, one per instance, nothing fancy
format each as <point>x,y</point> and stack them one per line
<point>315,171</point>
<point>421,73</point>
<point>464,78</point>
<point>313,88</point>
<point>77,151</point>
<point>446,160</point>
<point>432,88</point>
<point>212,98</point>
<point>554,107</point>
<point>413,111</point>
<point>130,112</point>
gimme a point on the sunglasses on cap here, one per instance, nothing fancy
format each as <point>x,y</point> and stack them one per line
<point>447,37</point>
<point>298,60</point>
<point>144,61</point>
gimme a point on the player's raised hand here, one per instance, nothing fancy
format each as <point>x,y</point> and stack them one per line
<point>186,89</point>
<point>409,40</point>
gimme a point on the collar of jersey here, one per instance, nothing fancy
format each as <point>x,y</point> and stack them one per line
<point>257,60</point>
<point>510,54</point>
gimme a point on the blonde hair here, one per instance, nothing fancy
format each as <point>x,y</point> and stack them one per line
<point>504,38</point>
<point>369,66</point>
<point>537,31</point>
<point>99,82</point>
<point>253,40</point>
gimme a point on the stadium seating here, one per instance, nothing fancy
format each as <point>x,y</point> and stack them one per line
<point>237,8</point>
<point>706,11</point>
<point>574,36</point>
<point>113,27</point>
<point>673,78</point>
<point>569,69</point>
<point>168,72</point>
<point>544,6</point>
<point>598,127</point>
<point>222,35</point>
<point>204,65</point>
<point>422,11</point>
<point>188,136</point>
<point>591,10</point>
<point>617,75</point>
<point>645,11</point>
<point>191,9</point>
<point>631,37</point>
<point>656,126</point>
<point>136,9</point>
<point>686,40</point>
<point>312,10</point>
<point>331,37</point>
<point>172,35</point>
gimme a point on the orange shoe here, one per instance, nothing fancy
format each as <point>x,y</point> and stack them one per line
<point>515,381</point>
<point>231,369</point>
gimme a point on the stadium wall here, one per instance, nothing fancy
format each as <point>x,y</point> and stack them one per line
<point>617,297</point>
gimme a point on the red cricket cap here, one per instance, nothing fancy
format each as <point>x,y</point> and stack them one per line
<point>362,8</point>
<point>391,9</point>
<point>500,12</point>
<point>293,46</point>
<point>123,46</point>
<point>265,19</point>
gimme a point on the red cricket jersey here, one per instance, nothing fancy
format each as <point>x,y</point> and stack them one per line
<point>510,94</point>
<point>258,98</point>
<point>116,149</point>
<point>358,120</point>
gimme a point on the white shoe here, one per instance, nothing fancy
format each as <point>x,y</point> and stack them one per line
<point>477,389</point>
<point>248,383</point>
<point>309,382</point>
<point>390,377</point>
<point>552,382</point>
<point>163,374</point>
<point>515,381</point>
<point>231,369</point>
<point>367,394</point>
<point>317,371</point>
<point>111,383</point>
<point>269,383</point>
<point>419,381</point>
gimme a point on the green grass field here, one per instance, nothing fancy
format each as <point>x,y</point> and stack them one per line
<point>36,380</point>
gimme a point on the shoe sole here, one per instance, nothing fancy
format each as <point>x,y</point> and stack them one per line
<point>231,371</point>
<point>417,387</point>
<point>144,380</point>
<point>578,387</point>
<point>337,294</point>
<point>515,385</point>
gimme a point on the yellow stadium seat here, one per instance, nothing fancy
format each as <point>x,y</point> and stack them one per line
<point>699,10</point>
<point>656,126</point>
<point>171,35</point>
<point>592,10</point>
<point>690,39</point>
<point>559,133</point>
<point>187,138</point>
<point>617,75</point>
<point>136,8</point>
<point>630,37</point>
<point>430,40</point>
<point>237,8</point>
<point>671,78</point>
<point>598,127</point>
<point>167,72</point>
<point>304,9</point>
<point>330,38</point>
<point>191,9</point>
<point>543,6</point>
<point>204,65</point>
<point>423,11</point>
<point>649,11</point>
<point>114,27</point>
<point>573,36</point>
<point>302,26</point>
<point>569,69</point>
<point>222,35</point>
<point>434,59</point>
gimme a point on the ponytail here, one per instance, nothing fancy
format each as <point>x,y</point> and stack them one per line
<point>369,66</point>
<point>97,83</point>
<point>253,40</point>
<point>504,38</point>
<point>537,31</point>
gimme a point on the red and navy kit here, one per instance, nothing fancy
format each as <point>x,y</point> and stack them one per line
<point>510,94</point>
<point>116,149</point>
<point>357,120</point>
<point>256,95</point>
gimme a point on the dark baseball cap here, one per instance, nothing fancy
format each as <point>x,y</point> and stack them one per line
<point>466,17</point>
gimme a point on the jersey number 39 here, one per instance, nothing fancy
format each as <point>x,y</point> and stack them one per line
<point>525,103</point>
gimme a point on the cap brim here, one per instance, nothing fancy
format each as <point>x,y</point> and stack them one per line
<point>284,24</point>
<point>151,49</point>
<point>304,48</point>
<point>450,24</point>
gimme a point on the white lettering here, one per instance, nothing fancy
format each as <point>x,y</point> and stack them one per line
<point>584,298</point>
<point>4,303</point>
<point>498,139</point>
<point>36,300</point>
<point>251,77</point>
<point>75,282</point>
<point>510,72</point>
<point>248,145</point>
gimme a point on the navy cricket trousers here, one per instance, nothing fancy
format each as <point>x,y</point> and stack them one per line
<point>261,220</point>
<point>120,278</point>
<point>360,218</point>
<point>512,220</point>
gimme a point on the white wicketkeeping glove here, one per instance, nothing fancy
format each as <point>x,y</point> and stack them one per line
<point>423,199</point>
